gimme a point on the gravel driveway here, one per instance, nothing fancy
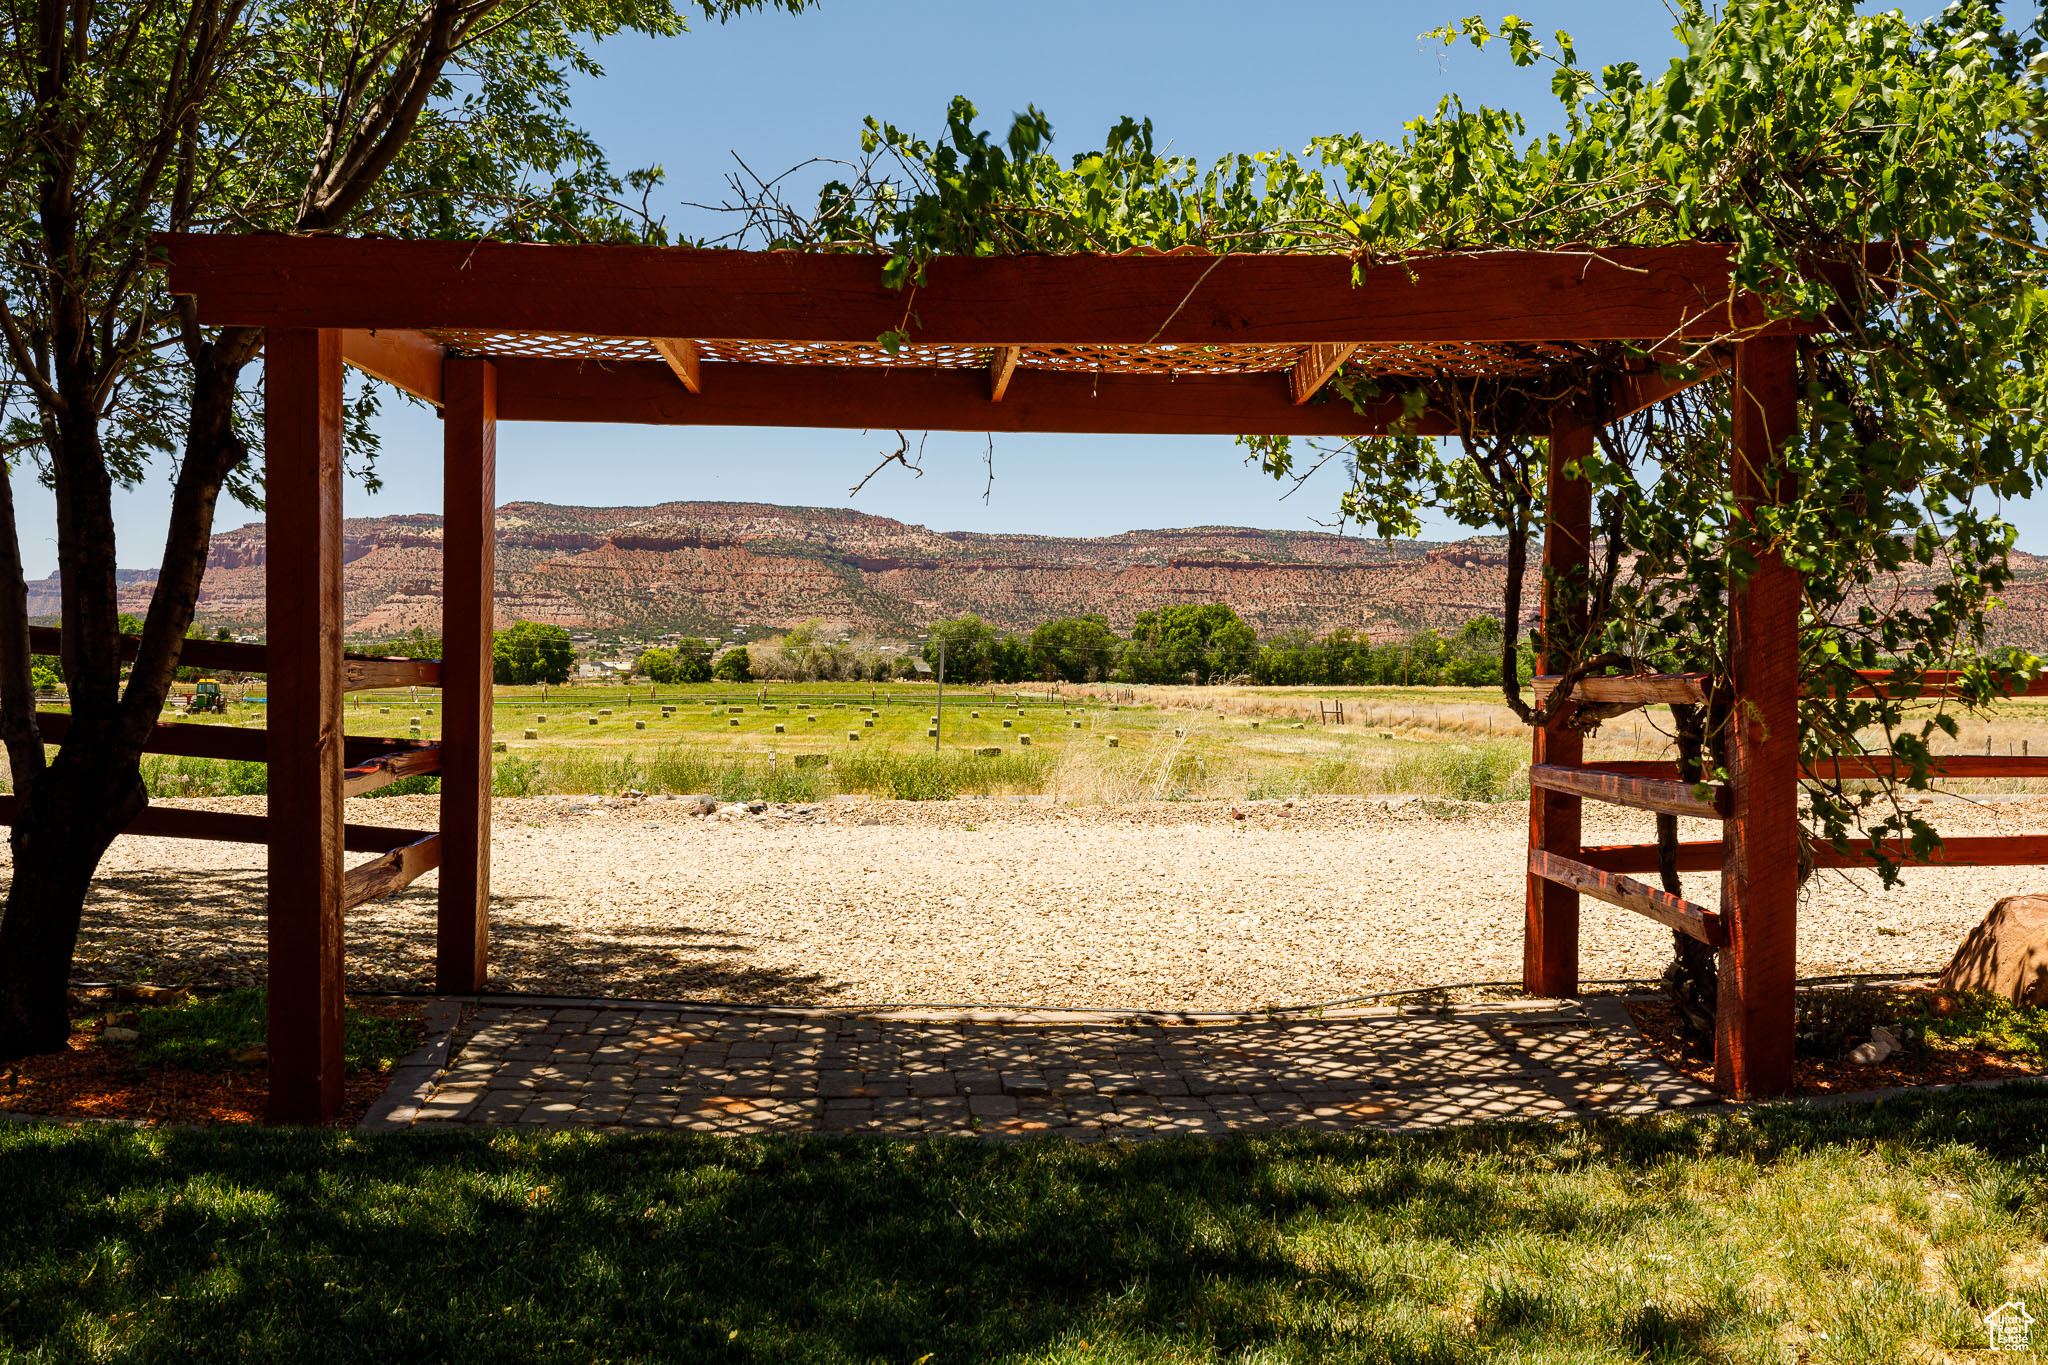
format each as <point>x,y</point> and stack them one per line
<point>1154,906</point>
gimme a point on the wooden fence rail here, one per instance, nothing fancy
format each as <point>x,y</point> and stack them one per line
<point>359,671</point>
<point>230,827</point>
<point>1630,894</point>
<point>1628,789</point>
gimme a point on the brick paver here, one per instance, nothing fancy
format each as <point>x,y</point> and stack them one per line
<point>652,1066</point>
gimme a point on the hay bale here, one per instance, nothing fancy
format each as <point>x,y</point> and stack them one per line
<point>529,734</point>
<point>497,746</point>
<point>605,711</point>
<point>734,721</point>
<point>639,725</point>
<point>1023,739</point>
<point>778,727</point>
<point>990,752</point>
<point>931,733</point>
<point>868,724</point>
<point>852,736</point>
<point>1006,724</point>
<point>812,719</point>
<point>1112,741</point>
<point>593,720</point>
<point>1077,725</point>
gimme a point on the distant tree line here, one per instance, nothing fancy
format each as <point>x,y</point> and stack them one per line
<point>1210,643</point>
<point>1172,644</point>
<point>1470,657</point>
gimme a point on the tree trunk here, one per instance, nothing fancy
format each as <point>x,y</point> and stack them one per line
<point>73,810</point>
<point>79,804</point>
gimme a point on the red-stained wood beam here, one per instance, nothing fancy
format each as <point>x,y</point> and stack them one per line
<point>1987,850</point>
<point>1623,293</point>
<point>1315,367</point>
<point>1952,766</point>
<point>302,601</point>
<point>231,827</point>
<point>1630,894</point>
<point>1550,932</point>
<point>532,389</point>
<point>1631,393</point>
<point>1002,367</point>
<point>685,360</point>
<point>1933,683</point>
<point>404,360</point>
<point>469,437</point>
<point>1760,877</point>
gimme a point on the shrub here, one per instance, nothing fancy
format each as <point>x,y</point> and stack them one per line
<point>164,776</point>
<point>515,777</point>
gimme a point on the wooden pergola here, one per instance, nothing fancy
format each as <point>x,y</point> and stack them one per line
<point>1169,343</point>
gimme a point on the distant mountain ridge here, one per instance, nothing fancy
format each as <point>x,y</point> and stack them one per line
<point>712,567</point>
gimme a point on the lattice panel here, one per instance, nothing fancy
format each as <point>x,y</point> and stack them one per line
<point>1499,361</point>
<point>547,345</point>
<point>1480,360</point>
<point>910,356</point>
<point>1164,360</point>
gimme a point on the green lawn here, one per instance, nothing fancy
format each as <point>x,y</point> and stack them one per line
<point>1847,1235</point>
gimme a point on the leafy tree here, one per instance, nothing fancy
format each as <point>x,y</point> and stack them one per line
<point>1794,131</point>
<point>530,652</point>
<point>1074,649</point>
<point>969,648</point>
<point>658,665</point>
<point>127,117</point>
<point>1009,659</point>
<point>1189,642</point>
<point>734,666</point>
<point>693,661</point>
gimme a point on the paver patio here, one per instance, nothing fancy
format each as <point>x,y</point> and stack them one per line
<point>637,1065</point>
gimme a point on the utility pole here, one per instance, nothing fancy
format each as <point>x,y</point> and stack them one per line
<point>939,726</point>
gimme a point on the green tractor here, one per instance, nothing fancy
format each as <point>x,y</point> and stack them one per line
<point>207,696</point>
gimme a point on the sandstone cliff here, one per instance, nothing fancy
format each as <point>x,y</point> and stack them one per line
<point>708,567</point>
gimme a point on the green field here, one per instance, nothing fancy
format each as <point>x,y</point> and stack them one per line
<point>807,741</point>
<point>1077,745</point>
<point>1785,1233</point>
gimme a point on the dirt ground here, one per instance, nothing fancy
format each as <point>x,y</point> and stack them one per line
<point>1174,905</point>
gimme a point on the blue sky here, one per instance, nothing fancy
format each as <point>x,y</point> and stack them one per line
<point>776,89</point>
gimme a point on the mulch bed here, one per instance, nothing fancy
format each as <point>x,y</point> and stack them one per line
<point>1937,1064</point>
<point>95,1080</point>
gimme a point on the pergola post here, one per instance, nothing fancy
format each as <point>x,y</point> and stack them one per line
<point>1760,866</point>
<point>468,576</point>
<point>302,603</point>
<point>1550,935</point>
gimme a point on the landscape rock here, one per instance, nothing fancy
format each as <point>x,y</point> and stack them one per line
<point>1883,1043</point>
<point>2007,954</point>
<point>117,1034</point>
